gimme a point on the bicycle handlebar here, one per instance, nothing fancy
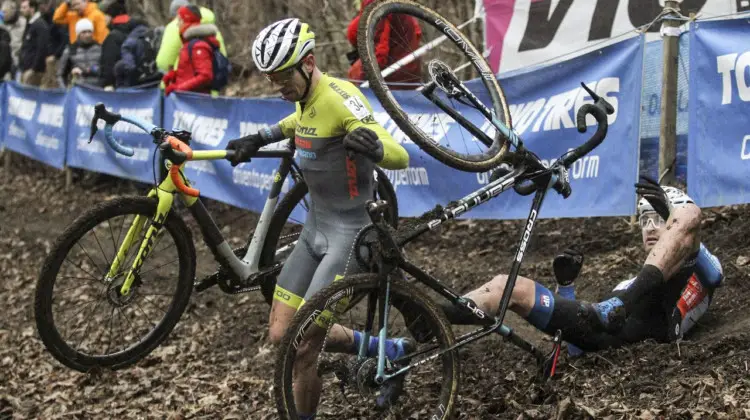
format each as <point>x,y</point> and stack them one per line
<point>110,119</point>
<point>599,110</point>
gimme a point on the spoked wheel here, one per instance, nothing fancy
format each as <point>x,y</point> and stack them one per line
<point>345,382</point>
<point>434,130</point>
<point>282,236</point>
<point>82,316</point>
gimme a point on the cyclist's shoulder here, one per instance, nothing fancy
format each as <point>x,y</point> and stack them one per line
<point>339,90</point>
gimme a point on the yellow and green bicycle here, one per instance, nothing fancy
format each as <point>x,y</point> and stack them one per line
<point>118,279</point>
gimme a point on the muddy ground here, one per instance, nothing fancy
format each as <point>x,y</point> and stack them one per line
<point>216,363</point>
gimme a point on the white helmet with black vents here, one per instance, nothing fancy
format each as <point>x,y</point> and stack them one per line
<point>676,198</point>
<point>282,45</point>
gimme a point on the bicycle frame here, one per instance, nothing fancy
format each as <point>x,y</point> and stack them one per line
<point>242,268</point>
<point>394,259</point>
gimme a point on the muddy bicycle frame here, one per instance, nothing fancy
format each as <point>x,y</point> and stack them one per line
<point>176,153</point>
<point>528,176</point>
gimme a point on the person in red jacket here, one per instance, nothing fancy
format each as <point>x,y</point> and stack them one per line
<point>395,37</point>
<point>193,73</point>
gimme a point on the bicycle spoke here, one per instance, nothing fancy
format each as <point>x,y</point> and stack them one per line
<point>82,269</point>
<point>144,314</point>
<point>65,323</point>
<point>96,238</point>
<point>130,324</point>
<point>156,268</point>
<point>78,347</point>
<point>109,336</point>
<point>90,259</point>
<point>154,305</point>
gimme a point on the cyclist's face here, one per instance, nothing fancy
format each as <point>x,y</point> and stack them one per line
<point>290,83</point>
<point>652,226</point>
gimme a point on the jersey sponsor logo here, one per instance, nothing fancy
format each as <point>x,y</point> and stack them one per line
<point>307,154</point>
<point>312,113</point>
<point>545,301</point>
<point>351,173</point>
<point>308,131</point>
<point>300,142</point>
<point>338,90</point>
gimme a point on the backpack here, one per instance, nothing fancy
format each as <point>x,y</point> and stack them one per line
<point>148,44</point>
<point>221,65</point>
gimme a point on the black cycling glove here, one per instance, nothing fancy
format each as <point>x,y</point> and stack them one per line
<point>567,266</point>
<point>365,142</point>
<point>655,195</point>
<point>245,148</point>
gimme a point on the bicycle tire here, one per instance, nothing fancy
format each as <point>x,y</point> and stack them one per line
<point>479,162</point>
<point>45,285</point>
<point>358,283</point>
<point>385,191</point>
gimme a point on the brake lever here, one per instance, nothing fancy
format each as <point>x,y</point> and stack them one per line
<point>599,101</point>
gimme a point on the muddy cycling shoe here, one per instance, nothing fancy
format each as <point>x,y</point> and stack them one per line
<point>608,316</point>
<point>392,389</point>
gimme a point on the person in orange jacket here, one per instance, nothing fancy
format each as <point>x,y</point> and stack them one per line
<point>71,11</point>
<point>194,73</point>
<point>396,36</point>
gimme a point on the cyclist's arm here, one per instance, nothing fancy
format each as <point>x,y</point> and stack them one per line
<point>283,130</point>
<point>394,155</point>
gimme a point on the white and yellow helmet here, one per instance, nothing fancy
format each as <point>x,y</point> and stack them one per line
<point>282,45</point>
<point>676,198</point>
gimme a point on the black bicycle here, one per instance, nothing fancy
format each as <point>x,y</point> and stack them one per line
<point>365,379</point>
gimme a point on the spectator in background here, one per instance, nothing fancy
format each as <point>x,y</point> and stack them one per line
<point>81,58</point>
<point>120,25</point>
<point>71,11</point>
<point>138,64</point>
<point>31,61</point>
<point>6,61</point>
<point>169,51</point>
<point>194,73</point>
<point>15,24</point>
<point>58,40</point>
<point>395,37</point>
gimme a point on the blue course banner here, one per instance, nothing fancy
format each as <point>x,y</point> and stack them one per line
<point>213,122</point>
<point>543,105</point>
<point>97,155</point>
<point>651,107</point>
<point>719,139</point>
<point>3,107</point>
<point>34,123</point>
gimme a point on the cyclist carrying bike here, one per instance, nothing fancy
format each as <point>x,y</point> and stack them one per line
<point>671,292</point>
<point>338,142</point>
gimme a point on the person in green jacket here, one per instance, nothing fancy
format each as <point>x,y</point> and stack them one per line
<point>169,51</point>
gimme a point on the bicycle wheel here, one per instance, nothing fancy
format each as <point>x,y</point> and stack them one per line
<point>428,390</point>
<point>427,125</point>
<point>73,277</point>
<point>281,236</point>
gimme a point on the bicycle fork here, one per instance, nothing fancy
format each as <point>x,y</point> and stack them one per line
<point>166,199</point>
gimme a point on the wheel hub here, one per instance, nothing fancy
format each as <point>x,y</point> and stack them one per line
<point>116,298</point>
<point>363,375</point>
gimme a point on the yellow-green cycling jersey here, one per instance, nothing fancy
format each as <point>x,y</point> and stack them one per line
<point>339,186</point>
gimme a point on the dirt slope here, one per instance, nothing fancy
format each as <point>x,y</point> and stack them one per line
<point>216,365</point>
